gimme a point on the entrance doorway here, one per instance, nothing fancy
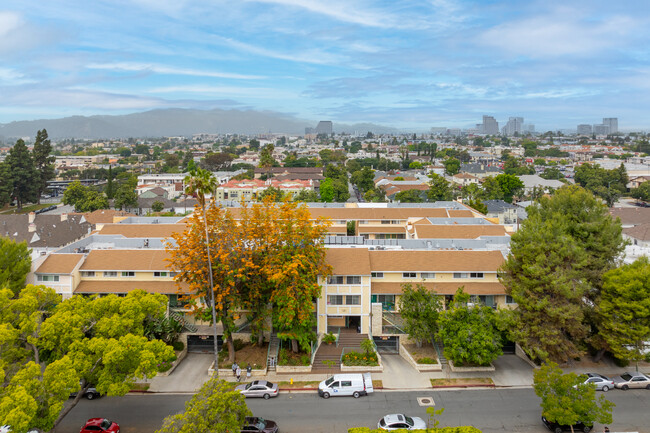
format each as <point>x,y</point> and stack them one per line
<point>353,323</point>
<point>203,343</point>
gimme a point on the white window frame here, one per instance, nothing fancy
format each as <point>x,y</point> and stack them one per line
<point>377,274</point>
<point>110,274</point>
<point>350,279</point>
<point>87,274</point>
<point>427,275</point>
<point>334,279</point>
<point>160,274</point>
<point>128,274</point>
<point>349,298</point>
<point>335,297</point>
<point>47,278</point>
<point>409,274</point>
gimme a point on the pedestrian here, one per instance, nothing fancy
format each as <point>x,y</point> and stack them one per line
<point>249,371</point>
<point>238,373</point>
<point>606,429</point>
<point>234,368</point>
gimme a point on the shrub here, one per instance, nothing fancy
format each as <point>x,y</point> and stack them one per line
<point>329,338</point>
<point>178,346</point>
<point>166,365</point>
<point>356,358</point>
<point>367,346</point>
<point>287,357</point>
<point>238,343</point>
<point>621,362</point>
<point>426,360</point>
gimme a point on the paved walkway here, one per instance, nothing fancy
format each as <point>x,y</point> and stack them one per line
<point>189,376</point>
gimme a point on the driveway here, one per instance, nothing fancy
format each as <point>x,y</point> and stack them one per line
<point>512,371</point>
<point>189,376</point>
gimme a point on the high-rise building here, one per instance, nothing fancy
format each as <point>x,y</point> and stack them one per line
<point>612,122</point>
<point>490,125</point>
<point>514,126</point>
<point>324,127</point>
<point>601,129</point>
<point>584,129</point>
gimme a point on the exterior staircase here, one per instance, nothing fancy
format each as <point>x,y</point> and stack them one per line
<point>272,355</point>
<point>328,356</point>
<point>440,348</point>
<point>187,326</point>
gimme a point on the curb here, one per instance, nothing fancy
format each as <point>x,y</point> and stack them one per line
<point>482,385</point>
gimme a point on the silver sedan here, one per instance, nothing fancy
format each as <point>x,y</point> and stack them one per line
<point>602,383</point>
<point>259,388</point>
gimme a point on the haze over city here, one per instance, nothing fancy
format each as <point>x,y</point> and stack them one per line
<point>408,64</point>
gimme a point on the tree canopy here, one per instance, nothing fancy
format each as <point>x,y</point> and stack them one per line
<point>22,172</point>
<point>43,160</point>
<point>84,198</point>
<point>15,264</point>
<point>439,188</point>
<point>420,310</point>
<point>50,348</point>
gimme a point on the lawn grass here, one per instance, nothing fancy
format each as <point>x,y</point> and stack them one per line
<point>140,386</point>
<point>25,209</point>
<point>462,381</point>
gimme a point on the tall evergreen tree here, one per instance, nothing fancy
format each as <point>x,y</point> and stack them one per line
<point>110,186</point>
<point>24,175</point>
<point>43,161</point>
<point>6,184</point>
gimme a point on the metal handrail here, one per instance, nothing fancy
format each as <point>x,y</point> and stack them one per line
<point>313,351</point>
<point>338,334</point>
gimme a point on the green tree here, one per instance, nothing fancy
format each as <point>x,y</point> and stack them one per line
<point>410,196</point>
<point>567,400</point>
<point>266,157</point>
<point>52,348</point>
<point>306,195</point>
<point>363,178</point>
<point>552,173</point>
<point>15,264</point>
<point>23,172</point>
<point>554,272</point>
<point>642,192</point>
<point>157,206</point>
<point>43,161</point>
<point>327,190</point>
<point>624,310</point>
<point>469,333</point>
<point>439,188</point>
<point>125,196</point>
<point>420,310</point>
<point>452,166</point>
<point>478,205</point>
<point>606,184</point>
<point>216,408</point>
<point>273,193</point>
<point>510,185</point>
<point>6,184</point>
<point>110,186</point>
<point>83,198</point>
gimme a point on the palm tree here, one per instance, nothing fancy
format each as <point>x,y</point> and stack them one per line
<point>200,182</point>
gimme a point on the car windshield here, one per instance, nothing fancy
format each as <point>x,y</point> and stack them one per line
<point>105,424</point>
<point>248,386</point>
<point>626,376</point>
<point>329,381</point>
<point>260,424</point>
<point>409,420</point>
<point>269,385</point>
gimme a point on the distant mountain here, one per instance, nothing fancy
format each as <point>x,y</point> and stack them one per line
<point>173,122</point>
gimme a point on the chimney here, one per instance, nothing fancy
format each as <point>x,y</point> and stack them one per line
<point>64,217</point>
<point>32,216</point>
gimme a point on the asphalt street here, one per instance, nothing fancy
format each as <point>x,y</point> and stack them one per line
<point>492,410</point>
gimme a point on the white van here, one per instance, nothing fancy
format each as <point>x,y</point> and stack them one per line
<point>354,384</point>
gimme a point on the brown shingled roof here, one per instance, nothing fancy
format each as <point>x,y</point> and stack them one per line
<point>125,286</point>
<point>631,215</point>
<point>382,229</point>
<point>126,260</point>
<point>105,216</point>
<point>458,231</point>
<point>59,264</point>
<point>455,213</point>
<point>473,288</point>
<point>348,261</point>
<point>436,261</point>
<point>640,232</point>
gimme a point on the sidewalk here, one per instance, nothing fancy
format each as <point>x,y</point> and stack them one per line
<point>398,374</point>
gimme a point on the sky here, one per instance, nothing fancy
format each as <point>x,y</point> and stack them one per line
<point>406,64</point>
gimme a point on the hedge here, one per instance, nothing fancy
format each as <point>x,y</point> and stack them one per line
<point>463,429</point>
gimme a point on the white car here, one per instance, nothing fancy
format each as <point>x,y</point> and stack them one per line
<point>400,421</point>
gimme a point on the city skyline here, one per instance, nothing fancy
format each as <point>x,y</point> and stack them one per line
<point>410,65</point>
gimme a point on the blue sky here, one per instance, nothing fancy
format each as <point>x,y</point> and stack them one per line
<point>407,64</point>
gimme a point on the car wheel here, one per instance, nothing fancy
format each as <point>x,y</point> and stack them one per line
<point>326,395</point>
<point>356,394</point>
<point>558,429</point>
<point>605,388</point>
<point>648,386</point>
<point>625,387</point>
<point>266,396</point>
<point>587,429</point>
<point>90,396</point>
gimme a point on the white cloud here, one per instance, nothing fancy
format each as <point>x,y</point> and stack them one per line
<point>161,69</point>
<point>256,92</point>
<point>559,33</point>
<point>9,21</point>
<point>315,56</point>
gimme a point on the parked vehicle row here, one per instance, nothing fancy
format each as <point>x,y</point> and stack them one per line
<point>627,380</point>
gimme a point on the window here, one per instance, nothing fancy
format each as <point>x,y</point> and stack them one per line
<point>509,300</point>
<point>87,273</point>
<point>387,301</point>
<point>428,275</point>
<point>334,299</point>
<point>128,274</point>
<point>353,279</point>
<point>409,274</point>
<point>110,274</point>
<point>342,222</point>
<point>468,275</point>
<point>159,274</point>
<point>363,222</point>
<point>377,275</point>
<point>234,194</point>
<point>385,221</point>
<point>335,279</point>
<point>346,383</point>
<point>173,274</point>
<point>390,236</point>
<point>48,278</point>
<point>353,300</point>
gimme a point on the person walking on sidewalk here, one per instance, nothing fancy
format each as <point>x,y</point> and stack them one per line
<point>234,368</point>
<point>238,373</point>
<point>249,370</point>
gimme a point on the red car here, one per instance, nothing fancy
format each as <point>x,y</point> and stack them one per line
<point>94,425</point>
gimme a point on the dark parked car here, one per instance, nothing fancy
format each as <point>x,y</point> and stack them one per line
<point>91,394</point>
<point>557,428</point>
<point>94,425</point>
<point>256,424</point>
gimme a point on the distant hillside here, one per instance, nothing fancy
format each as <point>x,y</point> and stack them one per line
<point>173,122</point>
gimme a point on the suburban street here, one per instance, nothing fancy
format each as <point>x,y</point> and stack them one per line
<point>492,410</point>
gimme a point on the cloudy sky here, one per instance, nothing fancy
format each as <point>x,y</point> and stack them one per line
<point>409,64</point>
